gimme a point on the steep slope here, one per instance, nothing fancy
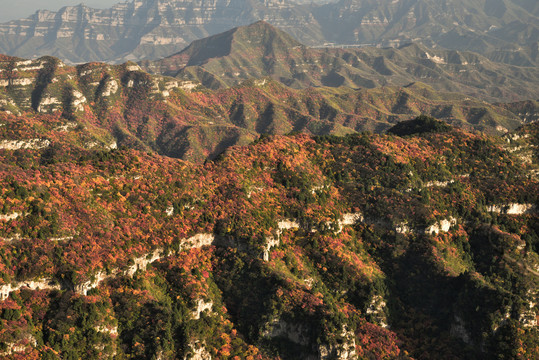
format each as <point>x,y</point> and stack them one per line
<point>100,105</point>
<point>364,246</point>
<point>524,143</point>
<point>256,50</point>
<point>261,50</point>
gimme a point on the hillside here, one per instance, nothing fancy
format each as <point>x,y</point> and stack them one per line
<point>528,110</point>
<point>504,31</point>
<point>101,106</point>
<point>363,246</point>
<point>261,50</point>
<point>251,197</point>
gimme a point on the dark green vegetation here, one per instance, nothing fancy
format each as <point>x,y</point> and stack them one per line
<point>419,125</point>
<point>306,247</point>
<point>261,50</point>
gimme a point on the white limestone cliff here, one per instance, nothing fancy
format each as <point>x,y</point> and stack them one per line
<point>33,144</point>
<point>197,351</point>
<point>41,284</point>
<point>443,225</point>
<point>511,209</point>
<point>377,310</point>
<point>201,306</point>
<point>343,350</point>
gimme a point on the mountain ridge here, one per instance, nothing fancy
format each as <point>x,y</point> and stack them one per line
<point>260,50</point>
<point>502,30</point>
<point>271,201</point>
<point>103,106</point>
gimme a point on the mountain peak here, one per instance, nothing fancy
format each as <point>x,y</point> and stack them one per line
<point>250,38</point>
<point>255,41</point>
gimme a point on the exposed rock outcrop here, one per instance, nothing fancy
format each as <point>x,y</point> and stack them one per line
<point>271,242</point>
<point>528,317</point>
<point>197,351</point>
<point>349,219</point>
<point>344,350</point>
<point>43,284</point>
<point>12,216</point>
<point>376,310</point>
<point>296,333</point>
<point>142,262</point>
<point>86,286</point>
<point>111,330</point>
<point>197,241</point>
<point>439,183</point>
<point>287,224</point>
<point>202,306</point>
<point>441,226</point>
<point>27,341</point>
<point>512,209</point>
<point>402,228</point>
<point>34,144</point>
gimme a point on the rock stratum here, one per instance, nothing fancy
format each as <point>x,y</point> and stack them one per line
<point>137,30</point>
<point>502,30</point>
<point>411,244</point>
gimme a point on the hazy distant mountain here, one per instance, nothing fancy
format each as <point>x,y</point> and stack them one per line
<point>260,50</point>
<point>503,30</point>
<point>142,29</point>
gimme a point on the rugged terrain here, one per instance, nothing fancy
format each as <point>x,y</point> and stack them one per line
<point>101,106</point>
<point>502,30</point>
<point>216,215</point>
<point>421,243</point>
<point>140,29</point>
<point>260,50</point>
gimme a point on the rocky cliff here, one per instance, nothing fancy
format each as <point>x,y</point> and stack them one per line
<point>505,31</point>
<point>138,29</point>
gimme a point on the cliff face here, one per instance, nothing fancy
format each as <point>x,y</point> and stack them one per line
<point>505,31</point>
<point>137,29</point>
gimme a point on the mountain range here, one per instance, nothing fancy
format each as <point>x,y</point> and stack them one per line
<point>99,105</point>
<point>502,30</point>
<point>261,50</point>
<point>250,197</point>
